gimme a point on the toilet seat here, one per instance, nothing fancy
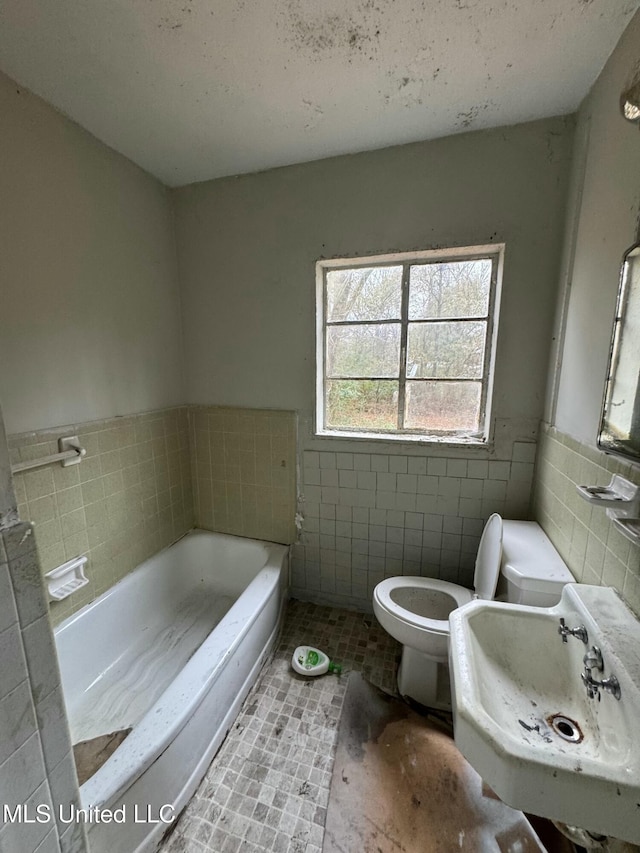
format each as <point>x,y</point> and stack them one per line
<point>415,610</point>
<point>414,630</point>
<point>485,581</point>
<point>383,598</point>
<point>489,558</point>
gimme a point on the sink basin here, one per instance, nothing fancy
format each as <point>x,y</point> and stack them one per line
<point>524,721</point>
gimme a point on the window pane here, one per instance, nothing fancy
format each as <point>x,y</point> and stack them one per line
<point>363,350</point>
<point>363,404</point>
<point>372,293</point>
<point>446,350</point>
<point>457,289</point>
<point>443,406</point>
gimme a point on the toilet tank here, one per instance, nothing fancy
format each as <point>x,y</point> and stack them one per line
<point>532,572</point>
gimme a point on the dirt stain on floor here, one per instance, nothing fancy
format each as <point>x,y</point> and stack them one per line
<point>409,788</point>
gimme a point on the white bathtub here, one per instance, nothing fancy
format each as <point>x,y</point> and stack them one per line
<point>171,651</point>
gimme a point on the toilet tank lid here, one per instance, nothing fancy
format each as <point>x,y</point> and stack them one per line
<point>529,559</point>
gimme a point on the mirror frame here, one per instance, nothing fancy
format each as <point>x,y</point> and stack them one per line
<point>607,439</point>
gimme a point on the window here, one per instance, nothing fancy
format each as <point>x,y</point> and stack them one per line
<point>406,344</point>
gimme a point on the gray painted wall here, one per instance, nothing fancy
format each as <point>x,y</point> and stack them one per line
<point>603,222</point>
<point>89,326</point>
<point>247,248</point>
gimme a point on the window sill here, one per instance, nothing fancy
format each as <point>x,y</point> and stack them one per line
<point>480,443</point>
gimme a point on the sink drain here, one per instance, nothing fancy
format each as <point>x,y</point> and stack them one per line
<point>566,728</point>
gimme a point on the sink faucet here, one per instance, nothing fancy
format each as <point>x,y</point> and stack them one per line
<point>593,660</point>
<point>580,632</point>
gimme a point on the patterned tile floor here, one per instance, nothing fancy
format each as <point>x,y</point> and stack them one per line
<point>267,789</point>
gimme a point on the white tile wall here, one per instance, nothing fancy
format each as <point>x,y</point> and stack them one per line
<point>367,516</point>
<point>36,762</point>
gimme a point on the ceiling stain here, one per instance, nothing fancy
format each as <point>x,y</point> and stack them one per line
<point>408,92</point>
<point>314,114</point>
<point>316,33</point>
<point>467,118</point>
<point>410,83</point>
<point>390,72</point>
<point>178,19</point>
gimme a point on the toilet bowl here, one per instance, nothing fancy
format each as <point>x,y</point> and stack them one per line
<point>415,610</point>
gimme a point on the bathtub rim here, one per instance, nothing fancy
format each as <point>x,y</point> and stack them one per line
<point>195,531</point>
<point>152,835</point>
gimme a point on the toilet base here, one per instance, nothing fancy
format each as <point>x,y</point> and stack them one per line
<point>424,680</point>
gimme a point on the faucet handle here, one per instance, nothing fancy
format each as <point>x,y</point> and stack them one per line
<point>580,632</point>
<point>610,685</point>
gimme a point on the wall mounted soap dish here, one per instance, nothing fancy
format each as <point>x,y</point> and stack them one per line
<point>621,499</point>
<point>629,527</point>
<point>67,578</point>
<point>619,491</point>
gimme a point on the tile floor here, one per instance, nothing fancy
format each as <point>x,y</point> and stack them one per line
<point>267,789</point>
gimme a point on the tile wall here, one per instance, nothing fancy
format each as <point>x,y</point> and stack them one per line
<point>129,497</point>
<point>369,516</point>
<point>244,471</point>
<point>587,540</point>
<point>36,760</point>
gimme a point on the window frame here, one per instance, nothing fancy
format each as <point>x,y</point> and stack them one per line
<point>495,253</point>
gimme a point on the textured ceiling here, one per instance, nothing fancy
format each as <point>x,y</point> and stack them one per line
<point>197,89</point>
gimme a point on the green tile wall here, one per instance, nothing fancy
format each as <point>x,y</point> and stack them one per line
<point>586,538</point>
<point>129,497</point>
<point>147,479</point>
<point>244,471</point>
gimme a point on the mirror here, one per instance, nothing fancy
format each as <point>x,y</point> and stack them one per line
<point>620,425</point>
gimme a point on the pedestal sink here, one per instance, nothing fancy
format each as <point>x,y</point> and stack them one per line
<point>523,717</point>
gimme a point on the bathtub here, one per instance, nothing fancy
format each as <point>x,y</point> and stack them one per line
<point>170,652</point>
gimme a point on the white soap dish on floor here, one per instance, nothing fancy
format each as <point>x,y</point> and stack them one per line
<point>66,579</point>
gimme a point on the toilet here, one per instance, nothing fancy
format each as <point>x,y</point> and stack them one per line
<point>516,562</point>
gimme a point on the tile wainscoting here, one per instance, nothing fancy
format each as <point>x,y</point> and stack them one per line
<point>587,540</point>
<point>244,471</point>
<point>368,516</point>
<point>129,497</point>
<point>149,478</point>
